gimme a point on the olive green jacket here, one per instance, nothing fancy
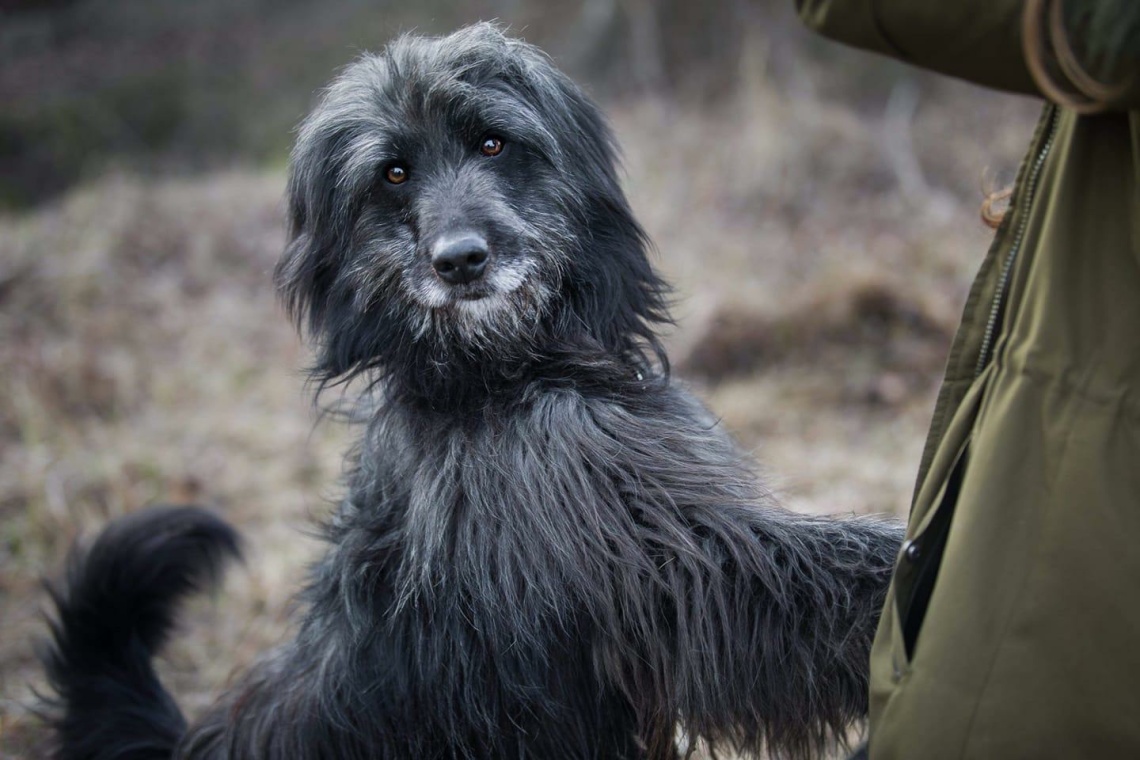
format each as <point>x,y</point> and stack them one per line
<point>1012,627</point>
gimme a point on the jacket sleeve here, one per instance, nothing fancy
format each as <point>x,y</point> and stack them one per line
<point>976,40</point>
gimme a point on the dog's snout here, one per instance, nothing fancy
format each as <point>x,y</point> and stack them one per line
<point>459,260</point>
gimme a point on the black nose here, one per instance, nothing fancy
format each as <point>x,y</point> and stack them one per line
<point>459,260</point>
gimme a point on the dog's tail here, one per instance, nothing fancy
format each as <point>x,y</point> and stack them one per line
<point>114,611</point>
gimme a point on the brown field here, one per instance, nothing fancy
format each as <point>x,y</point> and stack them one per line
<point>821,250</point>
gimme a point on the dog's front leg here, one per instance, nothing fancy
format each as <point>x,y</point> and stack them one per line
<point>804,596</point>
<point>745,624</point>
<point>769,620</point>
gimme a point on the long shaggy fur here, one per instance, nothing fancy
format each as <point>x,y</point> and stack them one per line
<point>548,549</point>
<point>115,609</point>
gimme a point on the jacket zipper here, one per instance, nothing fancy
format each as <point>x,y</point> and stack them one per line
<point>1007,267</point>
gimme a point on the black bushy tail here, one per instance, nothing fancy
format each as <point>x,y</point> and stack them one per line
<point>115,610</point>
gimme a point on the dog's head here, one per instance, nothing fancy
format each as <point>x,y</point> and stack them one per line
<point>457,197</point>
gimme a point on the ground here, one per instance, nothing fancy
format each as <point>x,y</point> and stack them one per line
<point>821,253</point>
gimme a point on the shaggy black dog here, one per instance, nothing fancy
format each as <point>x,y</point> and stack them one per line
<point>548,549</point>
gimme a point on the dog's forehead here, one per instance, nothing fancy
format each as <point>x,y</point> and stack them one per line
<point>458,89</point>
<point>435,99</point>
<point>464,82</point>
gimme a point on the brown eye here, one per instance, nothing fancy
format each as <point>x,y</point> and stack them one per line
<point>396,174</point>
<point>492,146</point>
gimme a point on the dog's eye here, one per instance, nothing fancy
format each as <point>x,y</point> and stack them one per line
<point>491,146</point>
<point>396,174</point>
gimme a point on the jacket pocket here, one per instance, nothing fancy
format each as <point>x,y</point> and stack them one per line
<point>921,556</point>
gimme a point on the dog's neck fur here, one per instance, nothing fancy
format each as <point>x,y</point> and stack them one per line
<point>462,383</point>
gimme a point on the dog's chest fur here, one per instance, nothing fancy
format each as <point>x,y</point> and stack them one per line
<point>493,557</point>
<point>524,508</point>
<point>519,524</point>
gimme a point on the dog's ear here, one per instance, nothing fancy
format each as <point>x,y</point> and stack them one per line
<point>310,286</point>
<point>328,174</point>
<point>306,273</point>
<point>614,291</point>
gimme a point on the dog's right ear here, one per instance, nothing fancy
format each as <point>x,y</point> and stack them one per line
<point>329,170</point>
<point>303,281</point>
<point>306,273</point>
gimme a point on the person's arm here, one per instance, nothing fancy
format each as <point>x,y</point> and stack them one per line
<point>982,40</point>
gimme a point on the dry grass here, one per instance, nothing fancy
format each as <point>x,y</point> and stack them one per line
<point>143,356</point>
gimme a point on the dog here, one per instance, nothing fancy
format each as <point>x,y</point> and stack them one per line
<point>548,548</point>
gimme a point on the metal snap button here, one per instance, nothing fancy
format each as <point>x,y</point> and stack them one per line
<point>912,550</point>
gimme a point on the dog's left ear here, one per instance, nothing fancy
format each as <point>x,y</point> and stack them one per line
<point>615,292</point>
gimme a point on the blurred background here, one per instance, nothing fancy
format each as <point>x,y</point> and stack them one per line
<point>816,208</point>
